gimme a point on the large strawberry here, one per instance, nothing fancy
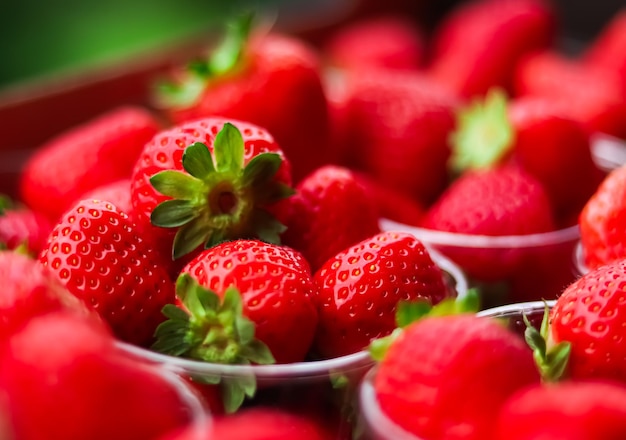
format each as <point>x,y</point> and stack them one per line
<point>276,292</point>
<point>479,43</point>
<point>272,80</point>
<point>590,316</point>
<point>603,221</point>
<point>330,212</point>
<point>206,181</point>
<point>28,290</point>
<point>608,49</point>
<point>360,288</point>
<point>398,128</point>
<point>574,410</point>
<point>446,377</point>
<point>63,379</point>
<point>97,253</point>
<point>99,151</point>
<point>596,97</point>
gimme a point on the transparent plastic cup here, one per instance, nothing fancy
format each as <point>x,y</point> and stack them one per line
<point>373,423</point>
<point>325,389</point>
<point>580,268</point>
<point>507,269</point>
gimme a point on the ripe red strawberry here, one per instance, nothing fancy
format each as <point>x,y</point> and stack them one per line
<point>446,377</point>
<point>276,289</point>
<point>208,181</point>
<point>28,290</point>
<point>97,152</point>
<point>271,80</point>
<point>590,315</point>
<point>535,133</point>
<point>21,226</point>
<point>608,49</point>
<point>96,252</point>
<point>602,221</point>
<point>63,379</point>
<point>360,287</point>
<point>383,41</point>
<point>479,43</point>
<point>570,410</point>
<point>330,212</point>
<point>398,128</point>
<point>592,96</point>
<point>256,423</point>
<point>117,192</point>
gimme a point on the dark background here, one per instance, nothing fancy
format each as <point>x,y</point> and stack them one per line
<point>39,37</point>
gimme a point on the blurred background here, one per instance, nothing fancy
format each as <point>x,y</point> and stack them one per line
<point>42,37</point>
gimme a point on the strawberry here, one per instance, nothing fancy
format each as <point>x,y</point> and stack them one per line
<point>21,226</point>
<point>360,287</point>
<point>95,251</point>
<point>435,360</point>
<point>257,423</point>
<point>602,221</point>
<point>478,44</point>
<point>271,80</point>
<point>99,151</point>
<point>589,316</point>
<point>117,192</point>
<point>535,133</point>
<point>206,181</point>
<point>576,410</point>
<point>275,286</point>
<point>593,96</point>
<point>608,49</point>
<point>398,128</point>
<point>28,291</point>
<point>330,212</point>
<point>383,41</point>
<point>62,376</point>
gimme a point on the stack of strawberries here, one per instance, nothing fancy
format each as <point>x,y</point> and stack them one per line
<point>237,221</point>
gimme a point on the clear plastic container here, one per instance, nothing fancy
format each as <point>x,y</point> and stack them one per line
<point>324,388</point>
<point>508,269</point>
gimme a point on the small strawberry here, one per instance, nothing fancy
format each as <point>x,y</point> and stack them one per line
<point>593,96</point>
<point>436,360</point>
<point>96,252</point>
<point>28,290</point>
<point>271,80</point>
<point>86,156</point>
<point>21,226</point>
<point>602,221</point>
<point>478,44</point>
<point>276,289</point>
<point>398,128</point>
<point>384,41</point>
<point>257,423</point>
<point>590,316</point>
<point>63,379</point>
<point>330,212</point>
<point>535,133</point>
<point>360,287</point>
<point>208,181</point>
<point>574,410</point>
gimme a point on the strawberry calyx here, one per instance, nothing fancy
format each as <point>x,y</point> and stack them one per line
<point>551,358</point>
<point>225,59</point>
<point>409,312</point>
<point>209,329</point>
<point>484,133</point>
<point>218,198</point>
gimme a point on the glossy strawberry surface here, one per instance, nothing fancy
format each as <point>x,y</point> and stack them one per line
<point>96,252</point>
<point>360,287</point>
<point>590,314</point>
